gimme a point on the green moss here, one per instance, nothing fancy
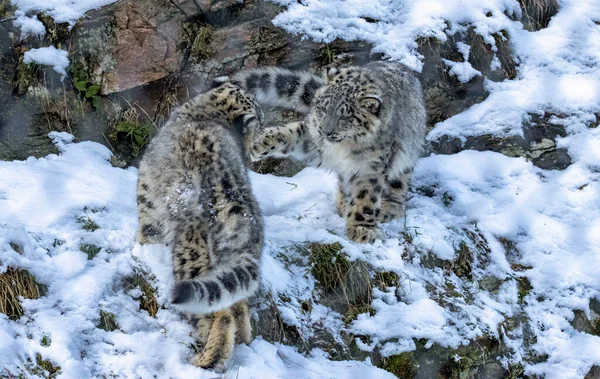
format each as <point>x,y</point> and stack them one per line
<point>354,311</point>
<point>90,250</point>
<point>447,199</point>
<point>402,365</point>
<point>108,321</point>
<point>45,368</point>
<point>45,341</point>
<point>523,287</point>
<point>463,264</point>
<point>328,264</point>
<point>196,39</point>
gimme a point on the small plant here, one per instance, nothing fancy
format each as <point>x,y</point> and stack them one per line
<point>327,55</point>
<point>45,341</point>
<point>108,321</point>
<point>87,90</point>
<point>13,284</point>
<point>90,250</point>
<point>86,222</point>
<point>447,199</point>
<point>45,367</point>
<point>138,134</point>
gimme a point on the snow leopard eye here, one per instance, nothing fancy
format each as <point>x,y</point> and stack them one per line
<point>372,104</point>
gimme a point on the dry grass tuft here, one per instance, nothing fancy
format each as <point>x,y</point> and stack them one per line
<point>15,283</point>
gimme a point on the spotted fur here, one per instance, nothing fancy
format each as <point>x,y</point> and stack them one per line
<point>365,123</point>
<point>194,196</point>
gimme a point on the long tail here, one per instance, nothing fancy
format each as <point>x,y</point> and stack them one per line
<point>278,87</point>
<point>222,287</point>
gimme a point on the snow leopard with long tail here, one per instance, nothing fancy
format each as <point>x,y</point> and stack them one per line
<point>194,196</point>
<point>365,123</point>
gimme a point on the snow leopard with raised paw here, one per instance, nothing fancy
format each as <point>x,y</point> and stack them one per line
<point>365,123</point>
<point>193,195</point>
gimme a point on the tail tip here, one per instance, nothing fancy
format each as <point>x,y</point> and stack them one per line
<point>182,292</point>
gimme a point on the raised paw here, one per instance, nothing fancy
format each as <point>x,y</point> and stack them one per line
<point>261,149</point>
<point>364,234</point>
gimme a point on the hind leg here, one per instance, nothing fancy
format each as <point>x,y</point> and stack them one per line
<point>241,313</point>
<point>148,230</point>
<point>393,205</point>
<point>218,331</point>
<point>341,199</point>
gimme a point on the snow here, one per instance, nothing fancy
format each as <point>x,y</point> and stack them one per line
<point>68,11</point>
<point>50,56</point>
<point>479,200</point>
<point>552,217</point>
<point>44,202</point>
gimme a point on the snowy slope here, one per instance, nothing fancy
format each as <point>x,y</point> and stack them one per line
<point>42,200</point>
<point>522,222</point>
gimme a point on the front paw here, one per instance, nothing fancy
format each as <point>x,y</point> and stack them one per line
<point>205,361</point>
<point>364,234</point>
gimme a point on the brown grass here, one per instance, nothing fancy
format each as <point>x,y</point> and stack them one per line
<point>13,284</point>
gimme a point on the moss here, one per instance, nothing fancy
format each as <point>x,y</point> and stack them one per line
<point>15,283</point>
<point>329,264</point>
<point>402,365</point>
<point>463,265</point>
<point>44,368</point>
<point>523,287</point>
<point>196,40</point>
<point>148,297</point>
<point>57,33</point>
<point>90,250</point>
<point>354,311</point>
<point>447,199</point>
<point>45,341</point>
<point>16,248</point>
<point>108,321</point>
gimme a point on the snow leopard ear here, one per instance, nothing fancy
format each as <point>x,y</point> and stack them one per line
<point>328,73</point>
<point>372,104</point>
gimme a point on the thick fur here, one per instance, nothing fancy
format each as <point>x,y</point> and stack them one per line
<point>194,196</point>
<point>365,123</point>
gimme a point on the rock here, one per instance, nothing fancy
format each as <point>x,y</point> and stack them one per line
<point>594,373</point>
<point>445,96</point>
<point>537,144</point>
<point>129,43</point>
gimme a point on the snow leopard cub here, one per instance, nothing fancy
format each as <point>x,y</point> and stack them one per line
<point>193,195</point>
<point>365,123</point>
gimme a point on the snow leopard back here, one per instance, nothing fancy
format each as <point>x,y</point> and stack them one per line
<point>194,196</point>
